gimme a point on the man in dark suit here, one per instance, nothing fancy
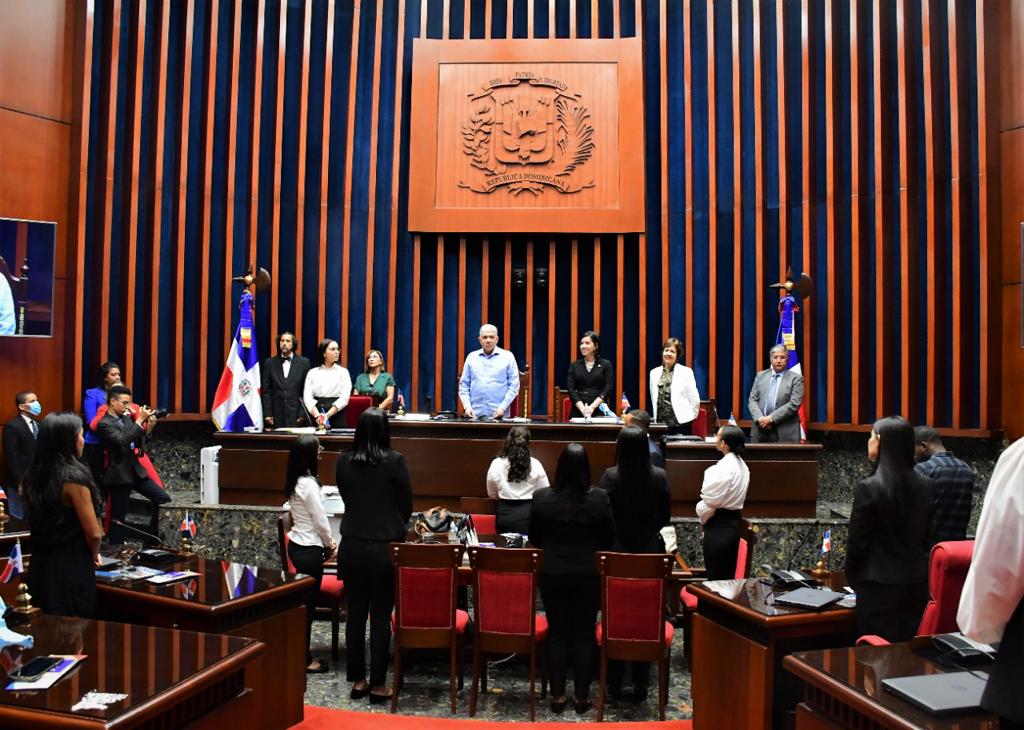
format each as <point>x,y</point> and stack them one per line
<point>775,401</point>
<point>281,382</point>
<point>124,440</point>
<point>20,444</point>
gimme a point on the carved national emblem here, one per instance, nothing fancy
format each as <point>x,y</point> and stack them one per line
<point>244,387</point>
<point>527,133</point>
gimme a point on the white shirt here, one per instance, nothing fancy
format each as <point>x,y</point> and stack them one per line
<point>995,581</point>
<point>310,526</point>
<point>725,486</point>
<point>499,487</point>
<point>286,366</point>
<point>324,382</point>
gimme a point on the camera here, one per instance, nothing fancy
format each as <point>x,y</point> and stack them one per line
<point>160,413</point>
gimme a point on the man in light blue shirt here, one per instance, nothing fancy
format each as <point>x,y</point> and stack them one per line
<point>490,378</point>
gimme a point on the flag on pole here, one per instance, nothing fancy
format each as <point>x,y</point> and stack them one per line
<point>15,566</point>
<point>826,542</point>
<point>401,400</point>
<point>624,404</point>
<point>3,494</point>
<point>732,419</point>
<point>236,404</point>
<point>787,336</point>
<point>188,525</point>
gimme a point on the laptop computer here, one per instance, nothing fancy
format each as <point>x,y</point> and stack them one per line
<point>939,694</point>
<point>809,598</point>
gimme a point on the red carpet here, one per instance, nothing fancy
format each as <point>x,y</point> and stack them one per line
<point>322,718</point>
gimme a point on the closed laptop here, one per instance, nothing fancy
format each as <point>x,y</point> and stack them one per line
<point>941,693</point>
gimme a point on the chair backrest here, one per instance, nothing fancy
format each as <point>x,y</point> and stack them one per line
<point>632,603</point>
<point>745,555</point>
<point>425,593</point>
<point>356,405</point>
<point>700,424</point>
<point>284,524</point>
<point>505,590</point>
<point>484,512</point>
<point>946,575</point>
<point>708,406</point>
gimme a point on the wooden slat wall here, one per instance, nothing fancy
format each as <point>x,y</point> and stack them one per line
<point>792,49</point>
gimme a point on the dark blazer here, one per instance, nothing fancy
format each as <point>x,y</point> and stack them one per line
<point>570,541</point>
<point>117,436</point>
<point>638,520</point>
<point>586,385</point>
<point>281,396</point>
<point>786,416</point>
<point>378,499</point>
<point>885,546</point>
<point>19,446</point>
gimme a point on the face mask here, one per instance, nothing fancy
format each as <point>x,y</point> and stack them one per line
<point>35,408</point>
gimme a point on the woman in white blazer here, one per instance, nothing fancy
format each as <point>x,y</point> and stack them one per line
<point>674,395</point>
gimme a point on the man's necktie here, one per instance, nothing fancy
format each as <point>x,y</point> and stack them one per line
<point>773,391</point>
<point>35,429</point>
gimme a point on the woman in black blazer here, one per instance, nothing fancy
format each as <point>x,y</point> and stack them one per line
<point>640,497</point>
<point>374,484</point>
<point>888,545</point>
<point>571,521</point>
<point>591,379</point>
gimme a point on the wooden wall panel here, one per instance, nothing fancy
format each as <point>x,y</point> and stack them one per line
<point>366,121</point>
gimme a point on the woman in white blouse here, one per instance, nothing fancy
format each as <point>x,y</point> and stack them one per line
<point>328,385</point>
<point>721,500</point>
<point>310,541</point>
<point>674,395</point>
<point>512,478</point>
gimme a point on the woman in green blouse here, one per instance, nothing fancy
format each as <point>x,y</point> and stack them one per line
<point>376,381</point>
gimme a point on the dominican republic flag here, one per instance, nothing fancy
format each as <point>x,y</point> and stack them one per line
<point>14,565</point>
<point>236,404</point>
<point>401,401</point>
<point>826,542</point>
<point>240,578</point>
<point>188,525</point>
<point>787,336</point>
<point>3,494</point>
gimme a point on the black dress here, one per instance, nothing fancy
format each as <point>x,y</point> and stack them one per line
<point>586,385</point>
<point>61,577</point>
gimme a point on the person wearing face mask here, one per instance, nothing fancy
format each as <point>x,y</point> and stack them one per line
<point>124,441</point>
<point>328,385</point>
<point>674,395</point>
<point>889,540</point>
<point>20,444</point>
<point>281,382</point>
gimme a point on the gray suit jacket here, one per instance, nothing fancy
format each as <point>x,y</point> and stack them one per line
<point>787,402</point>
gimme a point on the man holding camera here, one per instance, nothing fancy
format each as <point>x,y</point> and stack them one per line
<point>124,440</point>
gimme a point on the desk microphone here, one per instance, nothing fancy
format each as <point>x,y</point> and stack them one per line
<point>137,531</point>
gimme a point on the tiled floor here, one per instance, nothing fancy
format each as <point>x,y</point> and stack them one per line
<point>508,697</point>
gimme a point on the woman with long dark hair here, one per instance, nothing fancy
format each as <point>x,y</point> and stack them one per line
<point>310,541</point>
<point>512,478</point>
<point>61,505</point>
<point>721,501</point>
<point>888,545</point>
<point>328,385</point>
<point>640,498</point>
<point>374,484</point>
<point>591,379</point>
<point>571,521</point>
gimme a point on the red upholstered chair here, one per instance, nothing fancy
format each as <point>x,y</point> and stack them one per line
<point>483,510</point>
<point>356,405</point>
<point>425,613</point>
<point>744,558</point>
<point>700,424</point>
<point>332,588</point>
<point>947,571</point>
<point>633,625</point>
<point>505,598</point>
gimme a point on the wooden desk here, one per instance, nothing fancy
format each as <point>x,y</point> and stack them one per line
<point>228,598</point>
<point>843,689</point>
<point>739,642</point>
<point>449,460</point>
<point>783,477</point>
<point>172,678</point>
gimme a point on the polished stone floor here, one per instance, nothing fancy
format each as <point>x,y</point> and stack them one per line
<point>508,698</point>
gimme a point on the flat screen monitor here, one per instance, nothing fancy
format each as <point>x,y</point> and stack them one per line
<point>26,277</point>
